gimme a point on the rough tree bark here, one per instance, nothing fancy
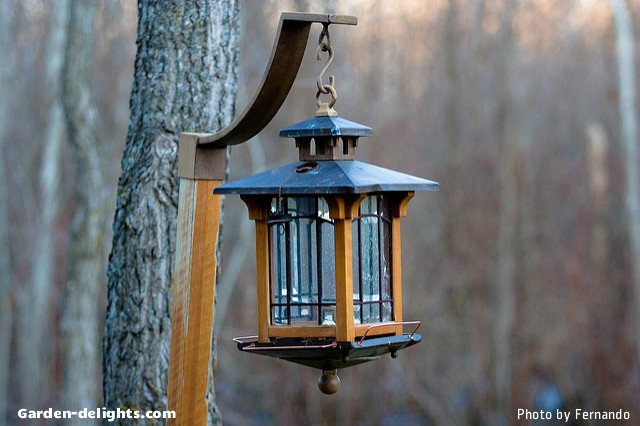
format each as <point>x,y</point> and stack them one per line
<point>80,322</point>
<point>6,304</point>
<point>629,138</point>
<point>185,80</point>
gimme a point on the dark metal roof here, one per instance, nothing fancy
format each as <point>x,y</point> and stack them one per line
<point>326,126</point>
<point>328,177</point>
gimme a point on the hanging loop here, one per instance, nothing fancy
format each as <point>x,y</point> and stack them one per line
<point>324,45</point>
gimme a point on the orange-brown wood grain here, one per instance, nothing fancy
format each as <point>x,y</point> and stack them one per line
<point>396,269</point>
<point>380,328</point>
<point>194,284</point>
<point>262,280</point>
<point>302,331</point>
<point>259,210</point>
<point>344,280</point>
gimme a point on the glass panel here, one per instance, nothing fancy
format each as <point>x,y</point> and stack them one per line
<point>371,312</point>
<point>327,249</point>
<point>323,209</point>
<point>304,262</point>
<point>302,206</point>
<point>279,315</point>
<point>304,315</point>
<point>387,313</point>
<point>369,205</point>
<point>302,258</point>
<point>370,259</point>
<point>356,314</point>
<point>355,259</point>
<point>385,260</point>
<point>383,204</point>
<point>328,315</point>
<point>278,264</point>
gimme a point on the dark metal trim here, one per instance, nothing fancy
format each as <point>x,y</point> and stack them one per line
<point>379,256</point>
<point>379,216</point>
<point>307,304</point>
<point>287,243</point>
<point>253,347</point>
<point>403,323</point>
<point>319,260</point>
<point>371,302</point>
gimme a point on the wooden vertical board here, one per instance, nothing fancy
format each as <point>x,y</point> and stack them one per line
<point>342,209</point>
<point>396,269</point>
<point>398,211</point>
<point>182,274</point>
<point>258,210</point>
<point>262,279</point>
<point>194,288</point>
<point>344,281</point>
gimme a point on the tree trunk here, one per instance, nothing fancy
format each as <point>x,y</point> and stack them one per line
<point>42,268</point>
<point>80,325</point>
<point>628,136</point>
<point>6,303</point>
<point>452,128</point>
<point>33,335</point>
<point>504,294</point>
<point>185,80</point>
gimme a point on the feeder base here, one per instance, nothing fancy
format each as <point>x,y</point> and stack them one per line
<point>327,354</point>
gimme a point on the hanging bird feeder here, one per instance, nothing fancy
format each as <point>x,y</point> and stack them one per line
<point>328,243</point>
<point>328,254</point>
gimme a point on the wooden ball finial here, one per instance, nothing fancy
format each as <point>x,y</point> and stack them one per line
<point>329,382</point>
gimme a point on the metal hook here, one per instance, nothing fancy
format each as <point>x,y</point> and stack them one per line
<point>324,45</point>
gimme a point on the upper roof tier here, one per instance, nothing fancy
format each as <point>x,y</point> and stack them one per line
<point>326,126</point>
<point>326,138</point>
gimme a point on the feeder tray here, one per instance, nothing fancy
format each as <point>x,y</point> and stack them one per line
<point>327,354</point>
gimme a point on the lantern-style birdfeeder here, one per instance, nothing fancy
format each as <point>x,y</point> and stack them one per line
<point>329,270</point>
<point>328,252</point>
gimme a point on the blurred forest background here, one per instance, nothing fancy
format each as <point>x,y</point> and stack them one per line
<point>521,269</point>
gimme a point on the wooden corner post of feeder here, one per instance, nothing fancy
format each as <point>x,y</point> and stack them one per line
<point>328,256</point>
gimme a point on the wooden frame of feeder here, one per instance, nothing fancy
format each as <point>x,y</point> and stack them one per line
<point>342,209</point>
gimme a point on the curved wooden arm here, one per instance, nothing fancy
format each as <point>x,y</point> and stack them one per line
<point>202,156</point>
<point>286,57</point>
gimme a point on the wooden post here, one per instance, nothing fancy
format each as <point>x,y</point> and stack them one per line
<point>396,269</point>
<point>194,282</point>
<point>342,209</point>
<point>398,211</point>
<point>258,209</point>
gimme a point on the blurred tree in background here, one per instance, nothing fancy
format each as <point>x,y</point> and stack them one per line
<point>185,79</point>
<point>522,268</point>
